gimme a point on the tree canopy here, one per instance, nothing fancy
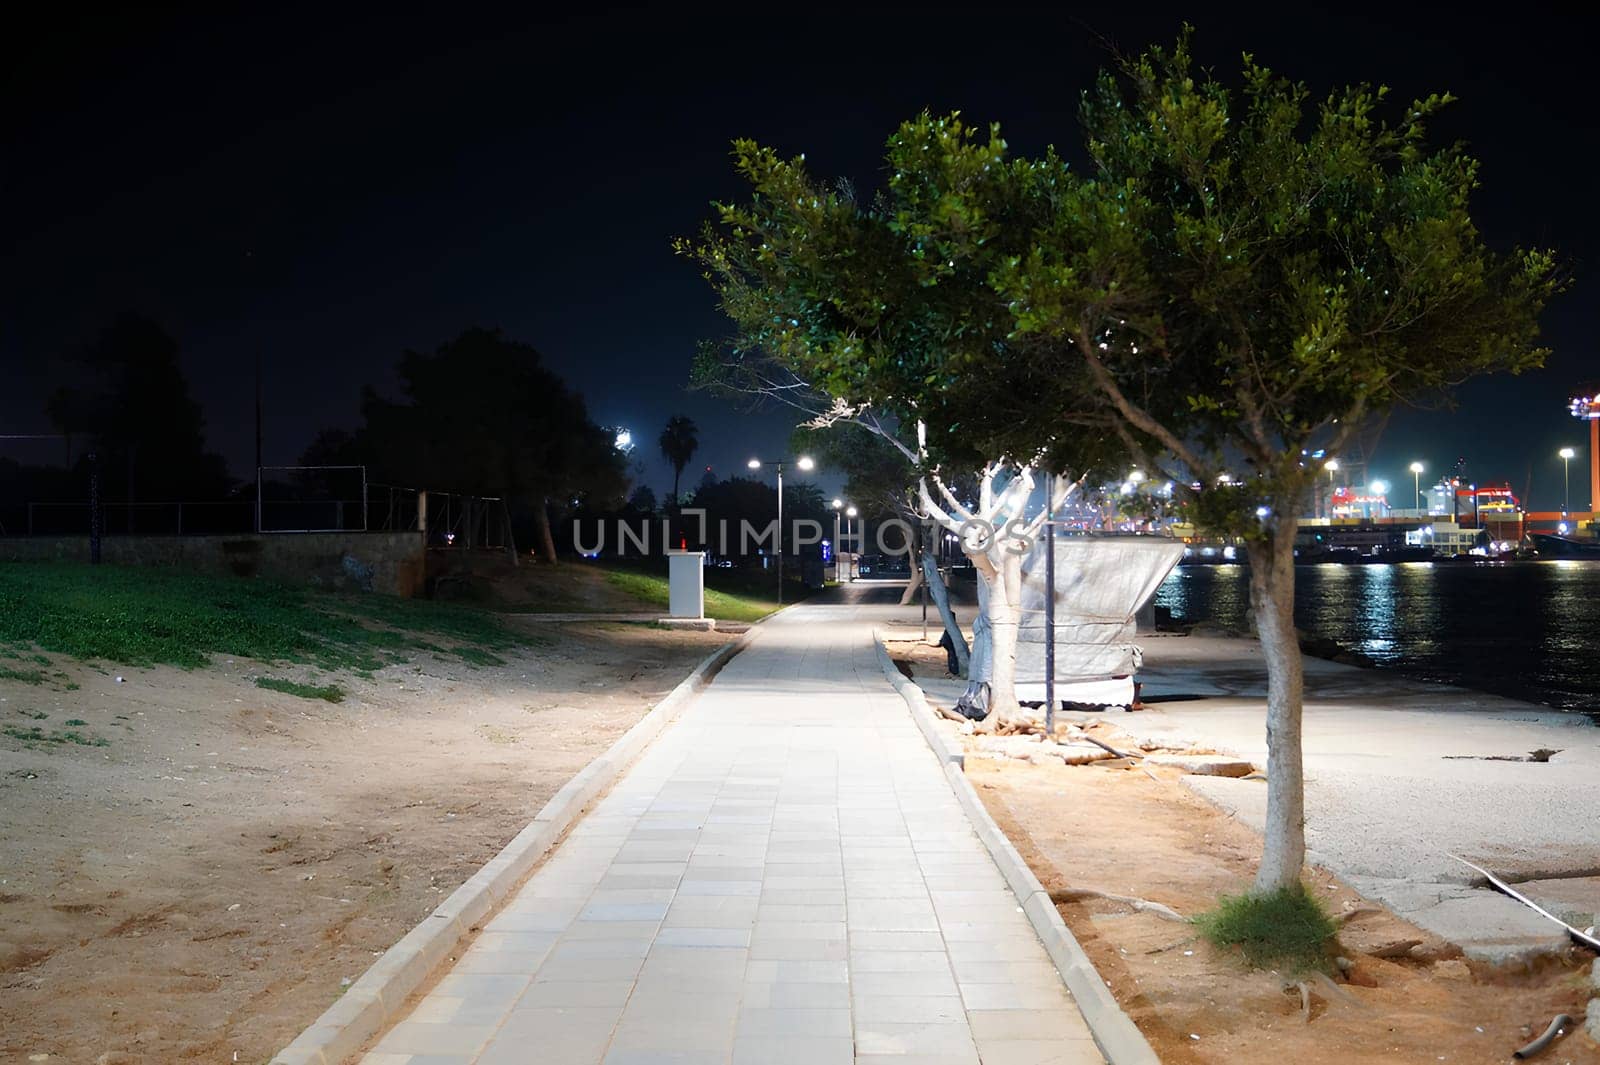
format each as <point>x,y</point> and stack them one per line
<point>483,415</point>
<point>132,399</point>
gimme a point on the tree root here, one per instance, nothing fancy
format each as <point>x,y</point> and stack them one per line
<point>1305,1002</point>
<point>1360,910</point>
<point>1174,945</point>
<point>1166,913</point>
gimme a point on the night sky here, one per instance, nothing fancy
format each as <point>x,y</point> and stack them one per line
<point>329,189</point>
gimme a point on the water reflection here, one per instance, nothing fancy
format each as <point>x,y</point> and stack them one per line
<point>1524,629</point>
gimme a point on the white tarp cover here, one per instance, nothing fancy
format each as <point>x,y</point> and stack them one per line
<point>1101,583</point>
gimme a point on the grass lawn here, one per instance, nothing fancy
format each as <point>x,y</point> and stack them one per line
<point>731,595</point>
<point>144,617</point>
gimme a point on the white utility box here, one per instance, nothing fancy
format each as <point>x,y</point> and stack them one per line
<point>686,590</point>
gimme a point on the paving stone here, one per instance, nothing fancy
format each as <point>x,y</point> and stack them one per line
<point>783,877</point>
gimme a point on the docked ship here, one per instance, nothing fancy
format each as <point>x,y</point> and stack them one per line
<point>1552,545</point>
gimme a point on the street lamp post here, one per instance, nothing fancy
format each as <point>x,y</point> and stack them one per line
<point>839,504</point>
<point>1416,483</point>
<point>803,462</point>
<point>850,522</point>
<point>1332,466</point>
<point>1566,454</point>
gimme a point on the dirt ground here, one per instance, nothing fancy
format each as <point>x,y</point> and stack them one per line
<point>1113,828</point>
<point>1117,827</point>
<point>200,887</point>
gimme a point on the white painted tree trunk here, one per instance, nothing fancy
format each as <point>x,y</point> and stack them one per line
<point>1000,600</point>
<point>1272,597</point>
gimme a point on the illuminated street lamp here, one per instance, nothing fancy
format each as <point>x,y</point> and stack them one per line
<point>1332,466</point>
<point>1566,454</point>
<point>1416,481</point>
<point>803,462</point>
<point>1374,490</point>
<point>855,556</point>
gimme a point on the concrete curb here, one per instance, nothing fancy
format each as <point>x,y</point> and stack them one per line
<point>383,990</point>
<point>1118,1038</point>
<point>921,712</point>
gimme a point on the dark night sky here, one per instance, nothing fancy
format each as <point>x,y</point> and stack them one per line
<point>331,188</point>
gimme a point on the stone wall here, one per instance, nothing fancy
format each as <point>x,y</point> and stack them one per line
<point>391,563</point>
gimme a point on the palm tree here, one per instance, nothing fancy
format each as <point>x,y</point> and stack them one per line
<point>679,441</point>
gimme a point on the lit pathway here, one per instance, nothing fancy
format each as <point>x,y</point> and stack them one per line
<point>784,878</point>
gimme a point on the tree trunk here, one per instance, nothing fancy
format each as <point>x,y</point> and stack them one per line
<point>1272,597</point>
<point>941,599</point>
<point>547,542</point>
<point>999,602</point>
<point>1005,615</point>
<point>677,472</point>
<point>909,596</point>
<point>511,537</point>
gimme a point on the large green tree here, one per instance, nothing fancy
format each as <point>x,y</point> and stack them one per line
<point>1247,275</point>
<point>871,313</point>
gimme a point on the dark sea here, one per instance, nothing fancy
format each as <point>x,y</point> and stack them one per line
<point>1530,630</point>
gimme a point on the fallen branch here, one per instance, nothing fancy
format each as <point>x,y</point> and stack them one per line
<point>1166,913</point>
<point>1174,945</point>
<point>1106,746</point>
<point>1356,911</point>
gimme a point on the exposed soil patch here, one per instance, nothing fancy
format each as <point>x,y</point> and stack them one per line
<point>203,882</point>
<point>1408,997</point>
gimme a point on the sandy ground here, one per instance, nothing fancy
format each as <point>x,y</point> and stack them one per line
<point>1073,826</point>
<point>1114,827</point>
<point>200,887</point>
<point>1400,775</point>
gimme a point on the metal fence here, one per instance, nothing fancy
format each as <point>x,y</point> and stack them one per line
<point>308,499</point>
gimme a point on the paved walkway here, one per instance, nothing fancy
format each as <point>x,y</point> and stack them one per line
<point>784,878</point>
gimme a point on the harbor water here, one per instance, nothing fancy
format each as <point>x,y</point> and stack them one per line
<point>1530,630</point>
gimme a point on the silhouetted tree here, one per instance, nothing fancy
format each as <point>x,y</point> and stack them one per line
<point>131,397</point>
<point>679,441</point>
<point>482,414</point>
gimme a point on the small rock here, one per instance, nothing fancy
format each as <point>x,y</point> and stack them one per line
<point>235,906</point>
<point>1594,975</point>
<point>1204,765</point>
<point>119,680</point>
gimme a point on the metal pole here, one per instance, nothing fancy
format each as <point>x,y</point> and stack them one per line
<point>94,509</point>
<point>1050,608</point>
<point>363,499</point>
<point>916,560</point>
<point>780,534</point>
<point>836,574</point>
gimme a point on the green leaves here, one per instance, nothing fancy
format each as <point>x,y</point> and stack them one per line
<point>1242,273</point>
